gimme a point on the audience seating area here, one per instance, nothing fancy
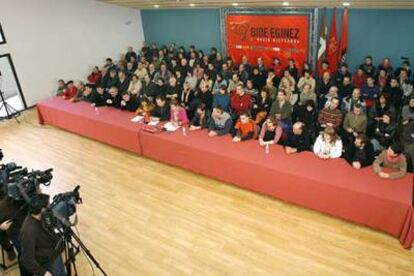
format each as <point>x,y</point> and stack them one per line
<point>291,110</point>
<point>357,196</point>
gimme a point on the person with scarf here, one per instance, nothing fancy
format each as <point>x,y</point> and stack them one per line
<point>391,158</point>
<point>220,123</point>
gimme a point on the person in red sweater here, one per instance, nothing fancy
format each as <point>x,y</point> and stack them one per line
<point>70,91</point>
<point>240,101</point>
<point>245,129</point>
<point>95,77</point>
<point>359,78</point>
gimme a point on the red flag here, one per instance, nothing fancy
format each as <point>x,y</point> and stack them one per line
<point>333,51</point>
<point>344,37</point>
<point>322,42</point>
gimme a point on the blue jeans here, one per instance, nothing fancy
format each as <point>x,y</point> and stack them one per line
<point>56,267</point>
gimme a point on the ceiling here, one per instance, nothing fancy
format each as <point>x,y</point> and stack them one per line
<point>180,4</point>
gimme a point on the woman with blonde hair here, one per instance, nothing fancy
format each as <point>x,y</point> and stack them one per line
<point>328,145</point>
<point>135,86</point>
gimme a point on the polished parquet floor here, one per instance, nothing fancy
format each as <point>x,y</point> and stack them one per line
<point>141,217</point>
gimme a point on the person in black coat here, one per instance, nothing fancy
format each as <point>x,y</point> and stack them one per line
<point>161,110</point>
<point>128,103</point>
<point>114,98</point>
<point>360,154</point>
<point>309,116</point>
<point>298,140</point>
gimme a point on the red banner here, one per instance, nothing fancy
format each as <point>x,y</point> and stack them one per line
<point>268,36</point>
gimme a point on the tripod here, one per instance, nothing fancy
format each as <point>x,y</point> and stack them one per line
<point>11,112</point>
<point>71,250</point>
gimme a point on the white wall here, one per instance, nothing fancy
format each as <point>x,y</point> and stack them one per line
<point>52,39</point>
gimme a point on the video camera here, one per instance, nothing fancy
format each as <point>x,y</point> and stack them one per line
<point>61,209</point>
<point>18,183</point>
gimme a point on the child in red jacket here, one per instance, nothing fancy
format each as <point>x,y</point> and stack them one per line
<point>245,129</point>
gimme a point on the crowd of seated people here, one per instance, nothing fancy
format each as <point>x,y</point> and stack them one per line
<point>361,116</point>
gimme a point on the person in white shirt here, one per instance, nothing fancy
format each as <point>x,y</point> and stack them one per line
<point>328,145</point>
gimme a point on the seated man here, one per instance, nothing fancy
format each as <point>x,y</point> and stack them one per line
<point>245,128</point>
<point>240,101</point>
<point>355,123</point>
<point>100,96</point>
<point>360,153</point>
<point>86,95</point>
<point>114,98</point>
<point>384,133</point>
<point>282,109</point>
<point>220,123</point>
<point>331,115</point>
<point>391,158</point>
<point>298,140</point>
<point>127,103</point>
<point>408,141</point>
<point>200,119</point>
<point>161,110</point>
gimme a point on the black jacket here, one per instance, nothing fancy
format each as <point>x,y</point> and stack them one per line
<point>364,156</point>
<point>163,113</point>
<point>300,142</point>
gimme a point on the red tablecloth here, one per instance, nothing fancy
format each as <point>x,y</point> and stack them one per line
<point>105,124</point>
<point>332,187</point>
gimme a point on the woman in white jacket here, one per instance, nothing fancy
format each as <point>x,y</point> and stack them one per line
<point>328,145</point>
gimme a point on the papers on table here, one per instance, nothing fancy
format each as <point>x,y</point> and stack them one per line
<point>171,126</point>
<point>137,119</point>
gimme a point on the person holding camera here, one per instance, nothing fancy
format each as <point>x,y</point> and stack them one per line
<point>41,249</point>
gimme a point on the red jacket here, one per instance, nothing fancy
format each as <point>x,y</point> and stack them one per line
<point>240,104</point>
<point>359,81</point>
<point>95,78</point>
<point>70,92</point>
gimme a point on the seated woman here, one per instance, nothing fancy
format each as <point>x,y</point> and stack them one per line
<point>328,145</point>
<point>391,158</point>
<point>408,112</point>
<point>220,123</point>
<point>200,119</point>
<point>61,87</point>
<point>306,95</point>
<point>282,109</point>
<point>161,109</point>
<point>261,106</point>
<point>384,133</point>
<point>145,108</point>
<point>220,81</point>
<point>380,107</point>
<point>128,103</point>
<point>187,96</point>
<point>178,115</point>
<point>135,86</point>
<point>245,128</point>
<point>270,133</point>
<point>360,153</point>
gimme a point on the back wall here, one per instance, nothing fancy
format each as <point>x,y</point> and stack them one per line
<point>379,33</point>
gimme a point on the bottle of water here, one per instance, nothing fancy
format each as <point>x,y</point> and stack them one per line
<point>184,130</point>
<point>96,110</point>
<point>267,149</point>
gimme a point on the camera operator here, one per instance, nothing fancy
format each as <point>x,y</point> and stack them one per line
<point>12,214</point>
<point>41,249</point>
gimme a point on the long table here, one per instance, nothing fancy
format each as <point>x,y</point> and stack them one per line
<point>331,187</point>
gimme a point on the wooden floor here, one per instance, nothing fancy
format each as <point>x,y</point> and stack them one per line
<point>141,217</point>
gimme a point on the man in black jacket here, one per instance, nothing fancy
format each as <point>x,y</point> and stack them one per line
<point>359,154</point>
<point>40,249</point>
<point>298,140</point>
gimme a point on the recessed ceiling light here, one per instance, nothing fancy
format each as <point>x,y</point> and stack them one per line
<point>192,5</point>
<point>285,3</point>
<point>346,4</point>
<point>156,6</point>
<point>235,4</point>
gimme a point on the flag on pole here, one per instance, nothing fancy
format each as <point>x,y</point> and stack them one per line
<point>344,38</point>
<point>322,42</point>
<point>333,50</point>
